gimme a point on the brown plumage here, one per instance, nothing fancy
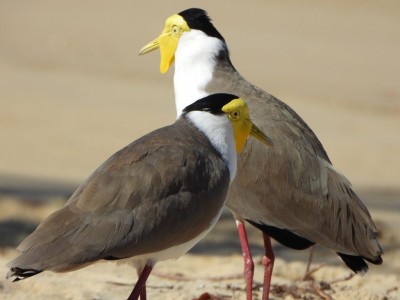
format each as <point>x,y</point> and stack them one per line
<point>149,196</point>
<point>290,191</point>
<point>151,201</point>
<point>295,187</point>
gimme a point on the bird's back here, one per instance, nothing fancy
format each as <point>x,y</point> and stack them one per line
<point>156,193</point>
<point>293,185</point>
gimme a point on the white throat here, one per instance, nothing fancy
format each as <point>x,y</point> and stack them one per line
<point>219,130</point>
<point>195,60</point>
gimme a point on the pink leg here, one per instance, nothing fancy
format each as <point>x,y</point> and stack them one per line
<point>143,294</point>
<point>140,286</point>
<point>248,261</point>
<point>268,263</point>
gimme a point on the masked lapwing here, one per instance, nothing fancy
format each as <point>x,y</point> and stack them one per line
<point>291,191</point>
<point>152,200</point>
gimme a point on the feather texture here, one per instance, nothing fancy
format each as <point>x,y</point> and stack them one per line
<point>159,192</point>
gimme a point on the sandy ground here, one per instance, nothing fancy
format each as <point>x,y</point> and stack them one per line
<point>73,91</point>
<point>213,266</point>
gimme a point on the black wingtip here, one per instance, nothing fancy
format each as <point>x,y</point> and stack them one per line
<point>21,274</point>
<point>355,263</point>
<point>376,261</point>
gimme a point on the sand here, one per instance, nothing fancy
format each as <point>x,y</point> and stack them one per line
<point>73,91</point>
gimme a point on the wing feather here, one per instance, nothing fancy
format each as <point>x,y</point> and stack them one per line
<point>149,196</point>
<point>293,185</point>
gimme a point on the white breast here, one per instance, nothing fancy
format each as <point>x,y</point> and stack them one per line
<point>194,66</point>
<point>219,131</point>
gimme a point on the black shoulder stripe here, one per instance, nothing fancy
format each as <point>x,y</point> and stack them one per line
<point>212,103</point>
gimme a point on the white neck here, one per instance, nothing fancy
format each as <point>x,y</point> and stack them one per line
<point>195,60</point>
<point>219,130</point>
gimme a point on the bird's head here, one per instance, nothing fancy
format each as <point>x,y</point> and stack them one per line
<point>237,111</point>
<point>176,26</point>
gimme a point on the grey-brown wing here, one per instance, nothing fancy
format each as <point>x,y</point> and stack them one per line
<point>155,193</point>
<point>293,185</point>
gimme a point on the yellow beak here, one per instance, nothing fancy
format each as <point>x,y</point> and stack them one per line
<point>259,135</point>
<point>167,41</point>
<point>153,45</point>
<point>167,44</point>
<point>244,128</point>
<point>238,113</point>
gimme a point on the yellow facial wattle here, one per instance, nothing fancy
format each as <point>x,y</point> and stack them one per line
<point>238,112</point>
<point>168,40</point>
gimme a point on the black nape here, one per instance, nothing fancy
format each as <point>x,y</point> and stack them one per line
<point>197,18</point>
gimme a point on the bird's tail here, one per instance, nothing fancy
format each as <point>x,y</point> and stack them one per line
<point>21,274</point>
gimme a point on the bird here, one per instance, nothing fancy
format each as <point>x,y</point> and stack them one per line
<point>150,201</point>
<point>291,192</point>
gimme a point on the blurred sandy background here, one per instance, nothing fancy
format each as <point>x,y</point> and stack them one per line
<point>73,91</point>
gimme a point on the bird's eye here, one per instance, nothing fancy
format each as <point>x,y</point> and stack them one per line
<point>175,29</point>
<point>235,114</point>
